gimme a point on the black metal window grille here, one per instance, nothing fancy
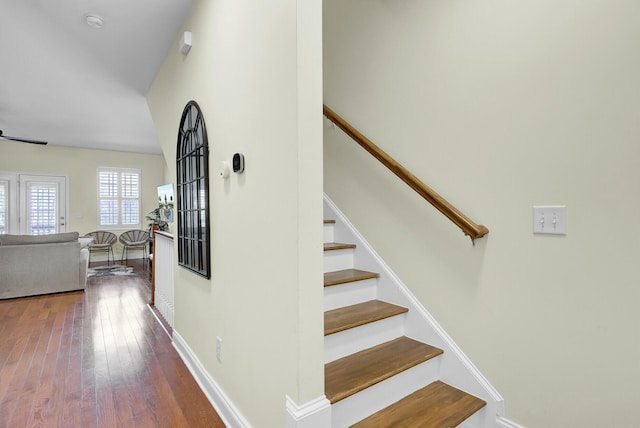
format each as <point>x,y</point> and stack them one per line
<point>192,166</point>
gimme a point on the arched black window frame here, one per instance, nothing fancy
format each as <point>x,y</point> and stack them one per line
<point>192,169</point>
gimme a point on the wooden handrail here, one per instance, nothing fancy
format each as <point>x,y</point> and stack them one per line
<point>471,229</point>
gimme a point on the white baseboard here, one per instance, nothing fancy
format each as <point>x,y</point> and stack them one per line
<point>223,405</point>
<point>506,423</point>
<point>160,322</point>
<point>314,414</point>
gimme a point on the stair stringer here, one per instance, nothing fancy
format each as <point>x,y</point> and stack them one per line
<point>456,368</point>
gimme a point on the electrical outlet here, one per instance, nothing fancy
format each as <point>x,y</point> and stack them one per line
<point>550,219</point>
<point>219,348</point>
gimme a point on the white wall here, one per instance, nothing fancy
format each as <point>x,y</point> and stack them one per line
<point>81,168</point>
<point>255,71</point>
<point>500,106</point>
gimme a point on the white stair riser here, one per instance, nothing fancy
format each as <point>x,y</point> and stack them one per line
<point>328,232</point>
<point>338,296</point>
<point>375,398</point>
<point>338,260</point>
<point>478,419</point>
<point>357,339</point>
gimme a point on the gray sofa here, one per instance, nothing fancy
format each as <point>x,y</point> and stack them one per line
<point>32,265</point>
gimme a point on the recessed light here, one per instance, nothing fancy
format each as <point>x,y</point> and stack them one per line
<point>94,21</point>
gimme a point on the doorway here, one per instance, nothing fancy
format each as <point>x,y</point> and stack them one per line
<point>32,204</point>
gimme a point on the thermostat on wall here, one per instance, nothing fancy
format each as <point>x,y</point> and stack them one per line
<point>238,163</point>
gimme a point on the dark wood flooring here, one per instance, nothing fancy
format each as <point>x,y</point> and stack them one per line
<point>97,358</point>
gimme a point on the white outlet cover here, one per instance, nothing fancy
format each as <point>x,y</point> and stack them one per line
<point>219,348</point>
<point>550,219</point>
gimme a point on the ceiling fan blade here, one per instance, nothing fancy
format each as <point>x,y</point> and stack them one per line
<point>22,140</point>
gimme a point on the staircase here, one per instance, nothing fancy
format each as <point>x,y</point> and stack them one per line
<point>387,362</point>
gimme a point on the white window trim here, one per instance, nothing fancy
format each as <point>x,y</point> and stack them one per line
<point>118,226</point>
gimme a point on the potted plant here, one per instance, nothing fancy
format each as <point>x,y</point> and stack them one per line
<point>156,222</point>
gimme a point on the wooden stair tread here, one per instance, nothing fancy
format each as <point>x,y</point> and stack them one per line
<point>330,246</point>
<point>353,373</point>
<point>347,275</point>
<point>360,314</point>
<point>437,405</point>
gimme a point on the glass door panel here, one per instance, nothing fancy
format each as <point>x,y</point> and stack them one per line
<point>42,205</point>
<point>4,206</point>
<point>8,203</point>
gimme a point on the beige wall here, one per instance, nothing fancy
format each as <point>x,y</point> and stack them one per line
<point>501,106</point>
<point>81,168</point>
<point>257,78</point>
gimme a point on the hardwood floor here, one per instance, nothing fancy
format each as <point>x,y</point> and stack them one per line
<point>97,358</point>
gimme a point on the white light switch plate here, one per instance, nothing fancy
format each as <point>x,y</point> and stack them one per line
<point>550,219</point>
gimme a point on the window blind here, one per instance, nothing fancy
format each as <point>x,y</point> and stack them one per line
<point>119,198</point>
<point>43,201</point>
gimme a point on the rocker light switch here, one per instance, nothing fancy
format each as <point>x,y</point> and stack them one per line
<point>550,219</point>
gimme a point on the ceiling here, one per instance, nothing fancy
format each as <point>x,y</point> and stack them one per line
<point>67,83</point>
